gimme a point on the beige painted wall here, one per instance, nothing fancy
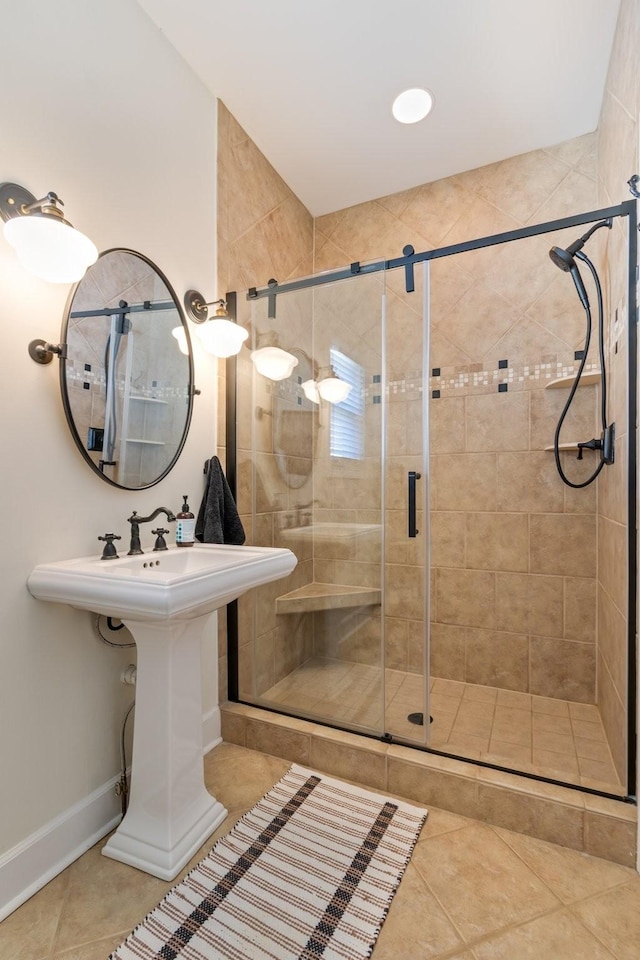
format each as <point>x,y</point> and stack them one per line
<point>85,119</point>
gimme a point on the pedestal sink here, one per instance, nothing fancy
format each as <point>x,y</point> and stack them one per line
<point>165,599</point>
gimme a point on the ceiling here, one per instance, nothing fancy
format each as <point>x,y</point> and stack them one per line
<point>312,82</point>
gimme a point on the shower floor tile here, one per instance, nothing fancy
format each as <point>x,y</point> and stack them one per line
<point>540,735</point>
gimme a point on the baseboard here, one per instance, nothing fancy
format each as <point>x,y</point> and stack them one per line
<point>211,726</point>
<point>32,863</point>
<point>40,857</point>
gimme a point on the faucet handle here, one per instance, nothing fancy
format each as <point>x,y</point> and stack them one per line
<point>161,543</point>
<point>109,551</point>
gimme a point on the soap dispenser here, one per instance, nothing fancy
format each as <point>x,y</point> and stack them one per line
<point>185,526</point>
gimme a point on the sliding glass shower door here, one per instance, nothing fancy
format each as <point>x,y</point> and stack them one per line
<point>331,459</point>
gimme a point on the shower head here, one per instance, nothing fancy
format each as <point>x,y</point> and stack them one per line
<point>564,259</point>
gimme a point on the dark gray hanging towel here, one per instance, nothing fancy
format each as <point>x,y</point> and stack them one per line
<point>218,520</point>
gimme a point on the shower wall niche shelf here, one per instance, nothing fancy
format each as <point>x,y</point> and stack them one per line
<point>149,443</point>
<point>147,399</point>
<point>326,596</point>
<point>566,447</point>
<point>586,380</point>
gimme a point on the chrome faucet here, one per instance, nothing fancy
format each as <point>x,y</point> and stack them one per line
<point>135,522</point>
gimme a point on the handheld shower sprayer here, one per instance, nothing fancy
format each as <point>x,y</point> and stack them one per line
<point>565,259</point>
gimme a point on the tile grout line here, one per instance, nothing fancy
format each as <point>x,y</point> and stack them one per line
<point>54,939</point>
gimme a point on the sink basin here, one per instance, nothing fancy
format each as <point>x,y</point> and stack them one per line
<point>165,599</point>
<point>179,583</point>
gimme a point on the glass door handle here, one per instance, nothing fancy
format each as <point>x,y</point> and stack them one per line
<point>412,476</point>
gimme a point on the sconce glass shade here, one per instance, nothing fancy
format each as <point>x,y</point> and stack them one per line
<point>310,388</point>
<point>274,363</point>
<point>50,249</point>
<point>222,338</point>
<point>181,337</point>
<point>334,390</point>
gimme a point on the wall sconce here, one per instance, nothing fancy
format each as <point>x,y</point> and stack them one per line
<point>333,389</point>
<point>270,360</point>
<point>219,334</point>
<point>274,363</point>
<point>329,388</point>
<point>310,390</point>
<point>181,337</point>
<point>45,243</point>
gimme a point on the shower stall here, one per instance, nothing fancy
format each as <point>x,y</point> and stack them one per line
<point>452,593</point>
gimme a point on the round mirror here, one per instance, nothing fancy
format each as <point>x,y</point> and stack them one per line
<point>126,381</point>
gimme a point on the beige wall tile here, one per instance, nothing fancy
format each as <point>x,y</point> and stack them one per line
<point>404,591</point>
<point>531,815</point>
<point>478,320</point>
<point>546,407</point>
<point>428,786</point>
<point>447,425</point>
<point>417,646</point>
<point>563,545</point>
<point>497,659</point>
<point>448,651</point>
<point>613,641</point>
<point>466,597</point>
<point>277,741</point>
<point>342,759</point>
<point>532,604</point>
<point>465,481</point>
<point>613,488</point>
<point>396,643</point>
<point>520,185</point>
<point>563,668</point>
<point>233,728</point>
<point>498,541</point>
<point>497,422</point>
<point>612,547</point>
<point>580,609</point>
<point>614,719</point>
<point>610,839</point>
<point>528,482</point>
<point>447,537</point>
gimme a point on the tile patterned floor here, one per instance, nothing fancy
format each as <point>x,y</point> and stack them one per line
<point>471,892</point>
<point>553,738</point>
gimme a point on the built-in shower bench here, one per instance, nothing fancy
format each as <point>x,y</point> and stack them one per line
<point>326,596</point>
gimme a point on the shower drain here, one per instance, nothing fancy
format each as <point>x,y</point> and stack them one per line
<point>418,719</point>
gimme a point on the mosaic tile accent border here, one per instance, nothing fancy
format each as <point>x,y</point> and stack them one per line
<point>156,390</point>
<point>474,378</point>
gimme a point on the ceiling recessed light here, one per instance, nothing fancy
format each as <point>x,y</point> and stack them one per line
<point>412,105</point>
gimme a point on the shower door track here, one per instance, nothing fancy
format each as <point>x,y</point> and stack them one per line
<point>628,209</point>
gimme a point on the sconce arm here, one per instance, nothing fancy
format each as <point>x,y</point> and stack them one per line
<point>42,352</point>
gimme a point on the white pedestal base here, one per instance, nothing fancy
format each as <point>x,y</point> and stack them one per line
<point>170,813</point>
<point>165,864</point>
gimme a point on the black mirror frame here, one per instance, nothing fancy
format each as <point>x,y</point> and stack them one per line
<point>63,378</point>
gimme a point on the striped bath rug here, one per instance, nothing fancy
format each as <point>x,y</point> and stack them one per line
<point>309,872</point>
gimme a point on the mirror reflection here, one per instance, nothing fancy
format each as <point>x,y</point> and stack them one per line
<point>126,383</point>
<point>294,424</point>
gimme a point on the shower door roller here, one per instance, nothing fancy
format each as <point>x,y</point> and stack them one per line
<point>412,476</point>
